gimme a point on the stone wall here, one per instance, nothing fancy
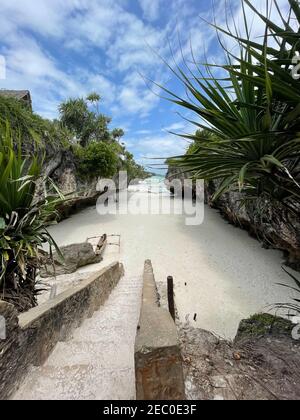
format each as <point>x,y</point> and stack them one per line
<point>158,364</point>
<point>31,337</point>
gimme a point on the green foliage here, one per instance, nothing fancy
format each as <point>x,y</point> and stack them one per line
<point>87,125</point>
<point>295,306</point>
<point>74,115</point>
<point>199,137</point>
<point>134,170</point>
<point>20,117</point>
<point>263,324</point>
<point>98,159</point>
<point>34,130</point>
<point>253,113</point>
<point>26,141</point>
<point>117,134</point>
<point>23,221</point>
<point>94,97</point>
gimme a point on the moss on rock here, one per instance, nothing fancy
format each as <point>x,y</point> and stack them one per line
<point>263,324</point>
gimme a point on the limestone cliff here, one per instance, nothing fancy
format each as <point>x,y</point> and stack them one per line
<point>60,166</point>
<point>273,225</point>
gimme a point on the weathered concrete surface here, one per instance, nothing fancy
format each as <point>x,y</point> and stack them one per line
<point>31,340</point>
<point>159,373</point>
<point>54,286</point>
<point>74,257</point>
<point>97,363</point>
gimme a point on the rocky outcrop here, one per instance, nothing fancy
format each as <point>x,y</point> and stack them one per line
<point>74,257</point>
<point>178,174</point>
<point>60,166</point>
<point>272,224</point>
<point>260,365</point>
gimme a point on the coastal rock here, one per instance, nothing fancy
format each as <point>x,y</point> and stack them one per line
<point>60,167</point>
<point>259,365</point>
<point>272,224</point>
<point>74,257</point>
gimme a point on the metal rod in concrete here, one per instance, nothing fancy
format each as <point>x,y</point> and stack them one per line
<point>171,297</point>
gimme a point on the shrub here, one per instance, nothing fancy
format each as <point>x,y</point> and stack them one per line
<point>23,221</point>
<point>293,308</point>
<point>30,127</point>
<point>98,159</point>
<point>253,113</point>
<point>86,124</point>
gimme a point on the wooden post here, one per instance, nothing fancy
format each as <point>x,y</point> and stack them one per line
<point>171,297</point>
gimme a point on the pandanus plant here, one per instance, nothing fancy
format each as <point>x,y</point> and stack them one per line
<point>294,306</point>
<point>23,221</point>
<point>251,112</point>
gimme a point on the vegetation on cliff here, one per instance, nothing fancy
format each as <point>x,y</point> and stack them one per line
<point>27,142</point>
<point>251,113</point>
<point>84,123</point>
<point>97,159</point>
<point>98,149</point>
<point>23,221</point>
<point>34,130</point>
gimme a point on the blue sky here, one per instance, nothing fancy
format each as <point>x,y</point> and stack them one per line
<point>66,48</point>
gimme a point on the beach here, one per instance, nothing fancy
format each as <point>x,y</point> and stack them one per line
<point>221,274</point>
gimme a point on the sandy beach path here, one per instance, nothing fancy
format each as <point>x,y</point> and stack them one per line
<point>221,274</point>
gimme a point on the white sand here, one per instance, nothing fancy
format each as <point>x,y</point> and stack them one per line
<point>220,273</point>
<point>228,275</point>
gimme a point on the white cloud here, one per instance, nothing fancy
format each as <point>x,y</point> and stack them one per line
<point>61,48</point>
<point>137,101</point>
<point>101,28</point>
<point>256,24</point>
<point>152,146</point>
<point>144,132</point>
<point>182,126</point>
<point>29,67</point>
<point>46,17</point>
<point>151,8</point>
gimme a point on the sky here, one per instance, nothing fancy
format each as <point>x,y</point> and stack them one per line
<point>59,49</point>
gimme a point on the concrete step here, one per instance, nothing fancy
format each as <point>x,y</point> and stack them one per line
<point>104,333</point>
<point>98,361</point>
<point>78,382</point>
<point>98,354</point>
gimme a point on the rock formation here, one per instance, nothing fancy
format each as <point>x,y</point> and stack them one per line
<point>261,364</point>
<point>74,257</point>
<point>275,226</point>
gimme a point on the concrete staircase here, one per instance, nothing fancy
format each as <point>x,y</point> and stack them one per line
<point>98,362</point>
